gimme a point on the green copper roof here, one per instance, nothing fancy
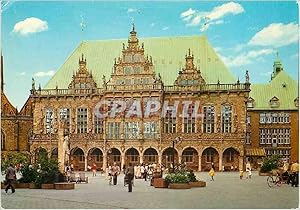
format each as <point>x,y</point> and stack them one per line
<point>281,86</point>
<point>168,54</point>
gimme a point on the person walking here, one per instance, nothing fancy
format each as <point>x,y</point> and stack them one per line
<point>248,170</point>
<point>10,178</point>
<point>212,173</point>
<point>129,173</point>
<point>115,172</point>
<point>94,169</point>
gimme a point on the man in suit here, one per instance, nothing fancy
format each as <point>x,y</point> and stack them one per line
<point>10,178</point>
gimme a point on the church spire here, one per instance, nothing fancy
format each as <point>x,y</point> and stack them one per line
<point>277,66</point>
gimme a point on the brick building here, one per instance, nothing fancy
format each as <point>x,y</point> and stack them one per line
<point>16,126</point>
<point>272,113</point>
<point>175,70</point>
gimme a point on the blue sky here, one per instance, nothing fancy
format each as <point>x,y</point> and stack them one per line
<point>37,37</point>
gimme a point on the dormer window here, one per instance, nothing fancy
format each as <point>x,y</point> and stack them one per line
<point>274,102</point>
<point>250,103</point>
<point>296,102</point>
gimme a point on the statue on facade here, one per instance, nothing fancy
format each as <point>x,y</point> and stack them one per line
<point>33,84</point>
<point>104,82</point>
<point>66,148</point>
<point>247,76</point>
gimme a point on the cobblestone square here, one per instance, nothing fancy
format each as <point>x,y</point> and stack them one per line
<point>227,191</point>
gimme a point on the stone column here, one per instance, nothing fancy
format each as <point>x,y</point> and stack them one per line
<point>199,163</point>
<point>61,152</point>
<point>220,161</point>
<point>141,159</point>
<point>159,159</point>
<point>85,162</point>
<point>122,160</point>
<point>104,161</point>
<point>179,159</point>
<point>241,162</point>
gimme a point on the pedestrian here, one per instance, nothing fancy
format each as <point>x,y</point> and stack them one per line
<point>142,171</point>
<point>129,173</point>
<point>72,167</point>
<point>212,173</point>
<point>213,166</point>
<point>295,172</point>
<point>68,173</point>
<point>146,172</point>
<point>231,167</point>
<point>223,168</point>
<point>94,169</point>
<point>241,174</point>
<point>124,168</point>
<point>115,172</point>
<point>248,169</point>
<point>10,178</point>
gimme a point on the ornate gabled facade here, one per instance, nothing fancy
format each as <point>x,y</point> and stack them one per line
<point>16,127</point>
<point>218,136</point>
<point>272,113</point>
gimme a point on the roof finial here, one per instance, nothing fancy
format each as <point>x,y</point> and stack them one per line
<point>133,25</point>
<point>247,76</point>
<point>189,51</point>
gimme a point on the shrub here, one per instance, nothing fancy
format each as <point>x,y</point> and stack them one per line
<point>181,177</point>
<point>191,177</point>
<point>14,158</point>
<point>28,173</point>
<point>270,163</point>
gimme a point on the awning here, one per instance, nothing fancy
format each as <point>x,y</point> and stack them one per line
<point>256,152</point>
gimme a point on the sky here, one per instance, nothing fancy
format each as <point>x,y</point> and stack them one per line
<point>37,36</point>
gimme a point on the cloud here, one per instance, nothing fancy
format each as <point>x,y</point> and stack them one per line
<point>22,73</point>
<point>152,24</point>
<point>213,17</point>
<point>276,35</point>
<point>246,58</point>
<point>131,10</point>
<point>165,28</point>
<point>266,74</point>
<point>44,73</point>
<point>295,56</point>
<point>30,25</point>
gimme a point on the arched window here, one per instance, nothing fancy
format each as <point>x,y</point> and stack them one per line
<point>49,120</point>
<point>2,141</point>
<point>209,119</point>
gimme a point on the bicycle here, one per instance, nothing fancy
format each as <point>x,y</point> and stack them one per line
<point>273,180</point>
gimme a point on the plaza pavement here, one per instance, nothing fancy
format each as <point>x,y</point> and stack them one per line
<point>227,191</point>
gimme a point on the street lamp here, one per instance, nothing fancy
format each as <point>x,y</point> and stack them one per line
<point>177,140</point>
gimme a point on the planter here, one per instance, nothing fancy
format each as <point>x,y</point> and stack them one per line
<point>197,184</point>
<point>64,186</point>
<point>264,174</point>
<point>160,183</point>
<point>47,186</point>
<point>21,185</point>
<point>32,186</point>
<point>179,186</point>
<point>2,186</point>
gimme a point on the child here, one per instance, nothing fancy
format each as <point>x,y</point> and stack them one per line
<point>211,174</point>
<point>241,174</point>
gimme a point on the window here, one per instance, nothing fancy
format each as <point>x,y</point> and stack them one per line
<point>137,58</point>
<point>128,58</point>
<point>189,124</point>
<point>150,129</point>
<point>132,130</point>
<point>127,70</point>
<point>169,123</point>
<point>262,118</point>
<point>209,156</point>
<point>65,113</point>
<point>230,156</point>
<point>98,124</point>
<point>262,136</point>
<point>113,130</point>
<point>127,81</point>
<point>49,120</point>
<point>2,141</point>
<point>209,119</point>
<point>286,118</point>
<point>187,156</point>
<point>287,136</point>
<point>226,119</point>
<point>82,120</point>
<point>137,69</point>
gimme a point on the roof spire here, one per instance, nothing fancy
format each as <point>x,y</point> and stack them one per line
<point>133,25</point>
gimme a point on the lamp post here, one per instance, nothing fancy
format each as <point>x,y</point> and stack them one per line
<point>177,140</point>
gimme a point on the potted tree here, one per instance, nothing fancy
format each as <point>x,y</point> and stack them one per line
<point>269,164</point>
<point>178,180</point>
<point>193,182</point>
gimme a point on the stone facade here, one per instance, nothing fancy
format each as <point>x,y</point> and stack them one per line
<point>139,138</point>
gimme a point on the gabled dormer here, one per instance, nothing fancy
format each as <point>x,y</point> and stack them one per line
<point>189,75</point>
<point>133,67</point>
<point>82,79</point>
<point>250,103</point>
<point>274,102</point>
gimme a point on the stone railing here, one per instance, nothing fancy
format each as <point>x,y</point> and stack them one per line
<point>209,87</point>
